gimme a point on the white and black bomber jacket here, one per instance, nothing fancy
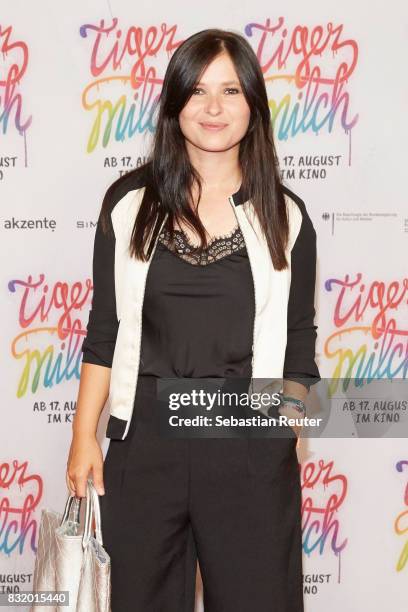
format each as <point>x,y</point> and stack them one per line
<point>284,330</point>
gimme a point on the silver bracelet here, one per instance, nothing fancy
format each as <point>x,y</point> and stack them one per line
<point>297,404</point>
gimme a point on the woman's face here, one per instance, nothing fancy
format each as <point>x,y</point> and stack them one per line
<point>217,115</point>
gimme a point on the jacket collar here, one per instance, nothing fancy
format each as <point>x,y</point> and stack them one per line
<point>238,197</point>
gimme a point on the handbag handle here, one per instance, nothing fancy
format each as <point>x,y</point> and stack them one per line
<point>74,502</point>
<point>92,510</point>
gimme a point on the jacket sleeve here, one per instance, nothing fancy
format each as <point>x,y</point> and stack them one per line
<point>301,338</point>
<point>102,328</point>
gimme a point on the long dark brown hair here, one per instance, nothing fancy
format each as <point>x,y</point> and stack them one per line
<point>169,174</point>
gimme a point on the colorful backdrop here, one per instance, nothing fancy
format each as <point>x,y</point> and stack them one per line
<point>79,85</point>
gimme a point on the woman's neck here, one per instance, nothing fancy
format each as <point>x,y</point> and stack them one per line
<point>220,171</point>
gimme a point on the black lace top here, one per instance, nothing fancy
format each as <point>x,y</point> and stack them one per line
<point>217,247</point>
<point>198,309</point>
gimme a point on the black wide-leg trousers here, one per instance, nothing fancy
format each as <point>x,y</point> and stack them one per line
<point>233,503</point>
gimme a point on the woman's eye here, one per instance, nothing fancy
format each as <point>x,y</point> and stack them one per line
<point>233,89</point>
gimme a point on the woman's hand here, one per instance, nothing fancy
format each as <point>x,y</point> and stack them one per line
<point>85,455</point>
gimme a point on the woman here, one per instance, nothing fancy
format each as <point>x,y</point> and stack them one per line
<point>229,293</point>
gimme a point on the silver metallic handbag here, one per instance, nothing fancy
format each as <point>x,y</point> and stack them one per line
<point>67,560</point>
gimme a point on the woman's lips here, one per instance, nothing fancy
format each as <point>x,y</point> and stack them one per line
<point>213,127</point>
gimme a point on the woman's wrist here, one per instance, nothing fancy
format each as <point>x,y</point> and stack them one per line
<point>82,430</point>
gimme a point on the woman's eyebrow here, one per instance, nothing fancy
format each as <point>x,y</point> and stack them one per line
<point>223,83</point>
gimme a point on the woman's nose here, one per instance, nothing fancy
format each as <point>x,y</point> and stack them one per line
<point>213,104</point>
